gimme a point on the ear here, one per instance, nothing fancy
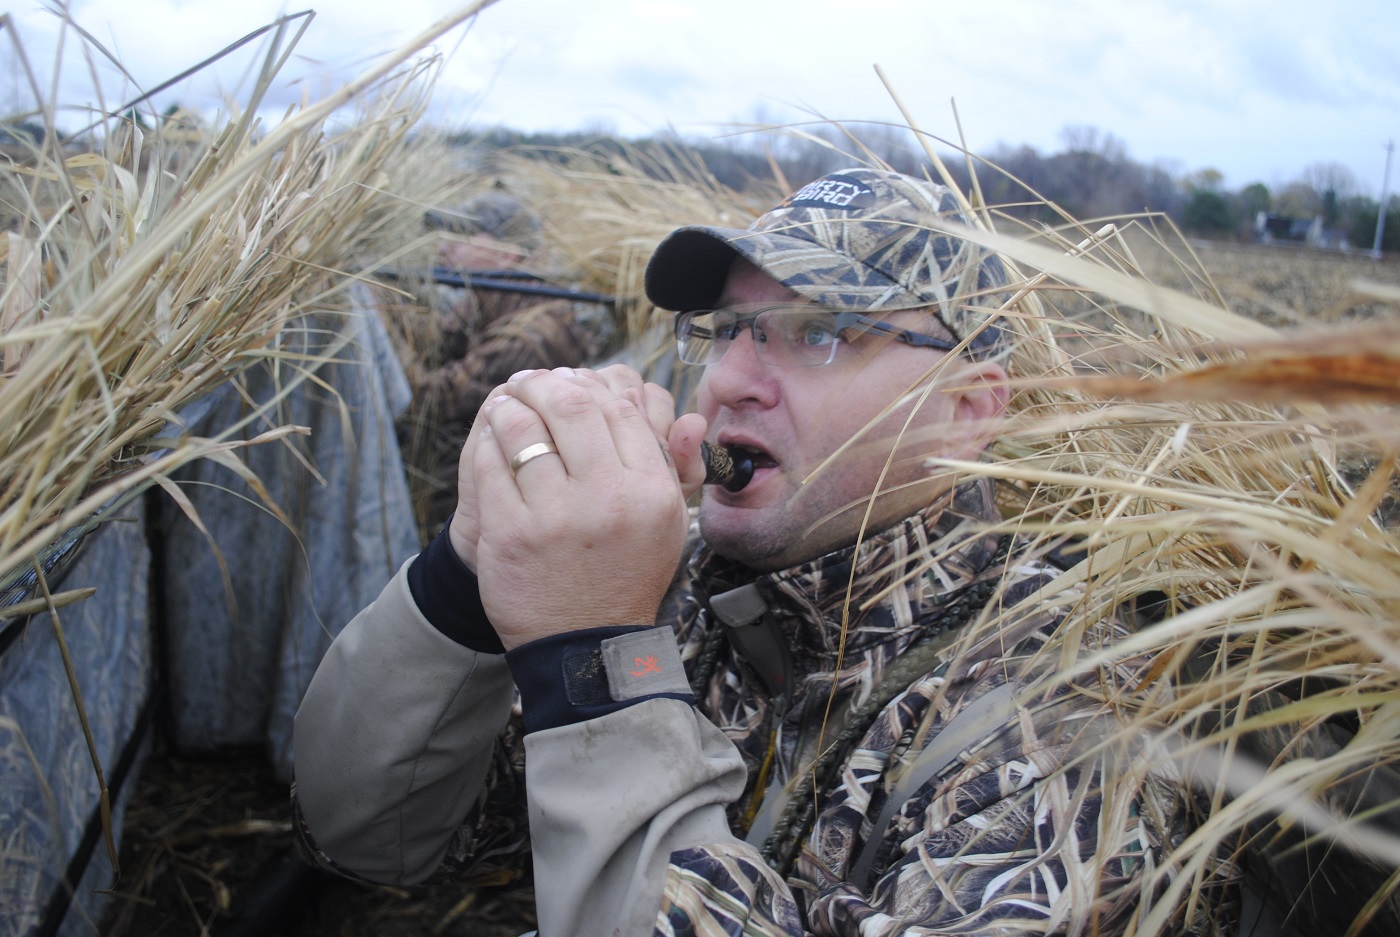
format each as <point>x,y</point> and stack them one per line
<point>981,393</point>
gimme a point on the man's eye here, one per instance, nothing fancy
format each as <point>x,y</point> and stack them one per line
<point>816,334</point>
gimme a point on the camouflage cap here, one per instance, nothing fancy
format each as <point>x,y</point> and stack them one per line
<point>496,213</point>
<point>854,240</point>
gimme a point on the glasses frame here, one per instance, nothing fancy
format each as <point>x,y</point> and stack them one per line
<point>842,321</point>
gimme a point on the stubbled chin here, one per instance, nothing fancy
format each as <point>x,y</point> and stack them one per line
<point>749,518</point>
<point>735,532</point>
<point>732,510</point>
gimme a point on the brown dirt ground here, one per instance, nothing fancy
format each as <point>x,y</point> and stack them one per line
<point>207,849</point>
<point>1288,286</point>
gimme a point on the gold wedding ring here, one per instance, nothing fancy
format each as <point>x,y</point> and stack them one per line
<point>531,452</point>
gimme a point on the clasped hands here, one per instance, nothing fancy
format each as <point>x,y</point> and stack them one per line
<point>587,527</point>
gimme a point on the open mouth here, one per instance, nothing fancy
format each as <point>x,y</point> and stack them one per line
<point>759,458</point>
<point>751,461</point>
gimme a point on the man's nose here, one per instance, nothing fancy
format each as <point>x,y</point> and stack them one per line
<point>740,374</point>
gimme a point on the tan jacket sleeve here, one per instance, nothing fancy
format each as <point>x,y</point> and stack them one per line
<point>393,739</point>
<point>611,799</point>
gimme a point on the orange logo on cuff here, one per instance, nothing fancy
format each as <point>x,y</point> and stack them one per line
<point>648,665</point>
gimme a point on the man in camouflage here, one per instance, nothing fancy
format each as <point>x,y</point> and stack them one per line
<point>784,722</point>
<point>473,338</point>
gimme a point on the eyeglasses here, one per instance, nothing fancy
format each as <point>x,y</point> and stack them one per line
<point>788,335</point>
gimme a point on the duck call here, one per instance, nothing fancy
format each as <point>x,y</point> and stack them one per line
<point>728,468</point>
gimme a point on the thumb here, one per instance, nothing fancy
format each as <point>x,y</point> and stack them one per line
<point>683,439</point>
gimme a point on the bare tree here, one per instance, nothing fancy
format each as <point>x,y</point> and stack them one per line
<point>1330,177</point>
<point>1083,138</point>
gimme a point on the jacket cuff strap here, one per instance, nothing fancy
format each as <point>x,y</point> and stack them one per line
<point>580,675</point>
<point>447,594</point>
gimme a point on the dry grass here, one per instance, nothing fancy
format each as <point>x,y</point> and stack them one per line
<point>1240,480</point>
<point>1287,287</point>
<point>144,271</point>
<point>1236,475</point>
<point>1234,482</point>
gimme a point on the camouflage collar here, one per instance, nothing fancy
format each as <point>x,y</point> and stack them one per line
<point>900,575</point>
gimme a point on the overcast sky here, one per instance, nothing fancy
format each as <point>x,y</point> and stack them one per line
<point>1257,89</point>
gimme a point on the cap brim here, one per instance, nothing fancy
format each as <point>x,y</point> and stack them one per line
<point>689,269</point>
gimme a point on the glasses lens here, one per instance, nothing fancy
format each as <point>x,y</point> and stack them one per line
<point>782,335</point>
<point>696,336</point>
<point>796,336</point>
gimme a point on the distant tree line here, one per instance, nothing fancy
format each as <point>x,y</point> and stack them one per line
<point>1091,177</point>
<point>1325,194</point>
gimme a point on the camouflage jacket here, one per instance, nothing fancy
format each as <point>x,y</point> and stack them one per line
<point>638,814</point>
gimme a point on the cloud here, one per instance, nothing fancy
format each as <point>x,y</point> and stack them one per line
<point>1253,87</point>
